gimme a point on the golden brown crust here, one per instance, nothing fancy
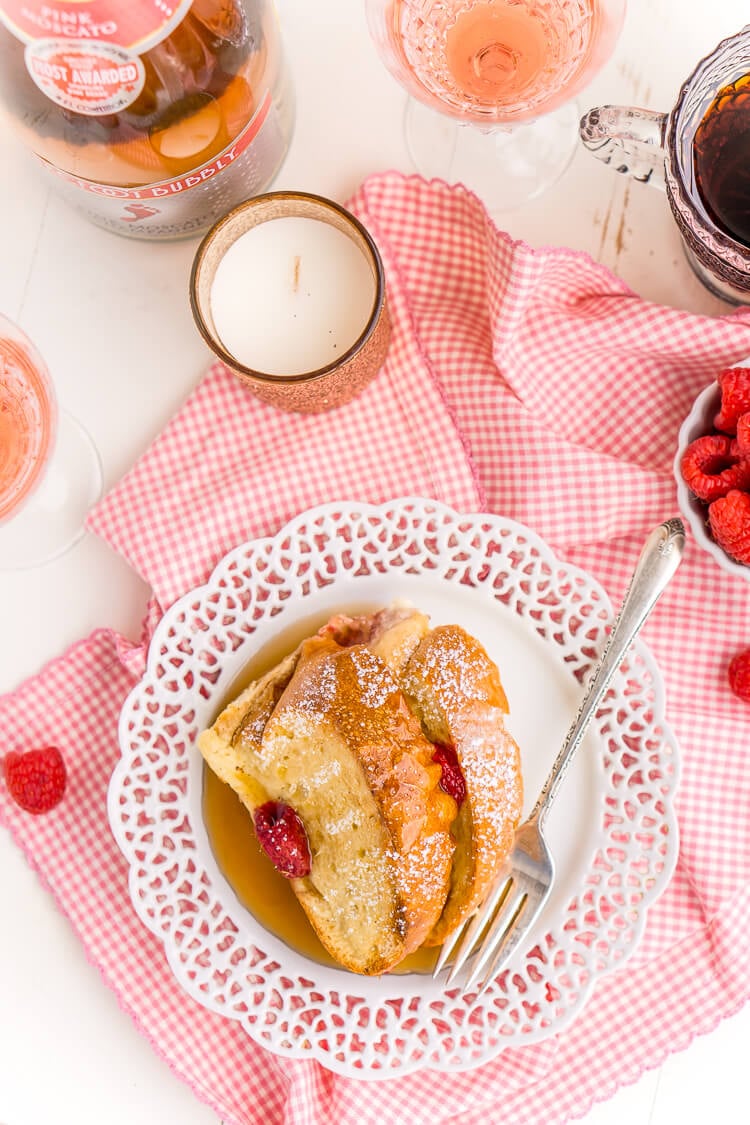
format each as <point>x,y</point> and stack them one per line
<point>455,688</point>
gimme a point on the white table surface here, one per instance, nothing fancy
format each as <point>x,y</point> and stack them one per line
<point>112,319</point>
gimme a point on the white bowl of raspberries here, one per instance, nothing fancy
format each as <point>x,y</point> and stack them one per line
<point>712,469</point>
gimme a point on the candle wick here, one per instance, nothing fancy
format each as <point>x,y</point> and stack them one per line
<point>295,286</point>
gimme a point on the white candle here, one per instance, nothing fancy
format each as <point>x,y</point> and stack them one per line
<point>291,295</point>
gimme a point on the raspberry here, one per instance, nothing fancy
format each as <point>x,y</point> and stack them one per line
<point>729,520</point>
<point>710,468</point>
<point>282,836</point>
<point>452,780</point>
<point>743,434</point>
<point>36,779</point>
<point>739,675</point>
<point>735,398</point>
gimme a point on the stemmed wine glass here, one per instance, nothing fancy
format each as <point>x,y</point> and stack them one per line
<point>50,473</point>
<point>509,68</point>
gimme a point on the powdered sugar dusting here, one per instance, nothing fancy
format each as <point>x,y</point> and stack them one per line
<point>456,689</point>
<point>373,678</point>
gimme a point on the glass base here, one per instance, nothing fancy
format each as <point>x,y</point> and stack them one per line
<point>504,167</point>
<point>721,289</point>
<point>51,519</point>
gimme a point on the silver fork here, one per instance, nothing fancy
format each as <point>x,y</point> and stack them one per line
<point>525,881</point>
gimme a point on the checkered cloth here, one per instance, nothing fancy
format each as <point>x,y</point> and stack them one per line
<point>530,383</point>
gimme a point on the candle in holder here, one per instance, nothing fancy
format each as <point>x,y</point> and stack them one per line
<point>291,295</point>
<point>288,291</point>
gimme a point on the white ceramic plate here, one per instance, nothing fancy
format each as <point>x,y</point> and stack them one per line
<point>612,829</point>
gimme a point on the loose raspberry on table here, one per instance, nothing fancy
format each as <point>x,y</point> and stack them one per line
<point>735,398</point>
<point>36,779</point>
<point>710,468</point>
<point>729,520</point>
<point>739,675</point>
<point>743,435</point>
<point>282,836</point>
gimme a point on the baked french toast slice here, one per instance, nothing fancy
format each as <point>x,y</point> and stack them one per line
<point>454,687</point>
<point>343,750</point>
<point>229,745</point>
<point>327,732</point>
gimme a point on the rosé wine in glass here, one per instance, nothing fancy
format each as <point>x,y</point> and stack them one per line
<point>499,65</point>
<point>27,421</point>
<point>49,469</point>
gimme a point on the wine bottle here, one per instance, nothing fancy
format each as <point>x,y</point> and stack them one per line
<point>154,117</point>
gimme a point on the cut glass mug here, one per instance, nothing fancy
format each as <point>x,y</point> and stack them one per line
<point>697,153</point>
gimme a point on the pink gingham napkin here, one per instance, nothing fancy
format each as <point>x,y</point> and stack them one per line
<point>530,383</point>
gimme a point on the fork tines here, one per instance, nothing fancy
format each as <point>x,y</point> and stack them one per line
<point>493,931</point>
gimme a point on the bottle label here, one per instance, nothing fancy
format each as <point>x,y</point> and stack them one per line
<point>136,25</point>
<point>84,77</point>
<point>193,201</point>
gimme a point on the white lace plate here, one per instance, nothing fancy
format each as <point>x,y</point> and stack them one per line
<point>612,829</point>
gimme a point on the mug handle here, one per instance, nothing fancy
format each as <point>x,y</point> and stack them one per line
<point>630,139</point>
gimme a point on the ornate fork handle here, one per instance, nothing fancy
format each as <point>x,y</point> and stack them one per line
<point>658,561</point>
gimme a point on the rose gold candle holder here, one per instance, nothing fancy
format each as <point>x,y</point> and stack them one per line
<point>311,391</point>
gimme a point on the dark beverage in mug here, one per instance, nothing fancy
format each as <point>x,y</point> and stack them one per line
<point>721,158</point>
<point>700,153</point>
